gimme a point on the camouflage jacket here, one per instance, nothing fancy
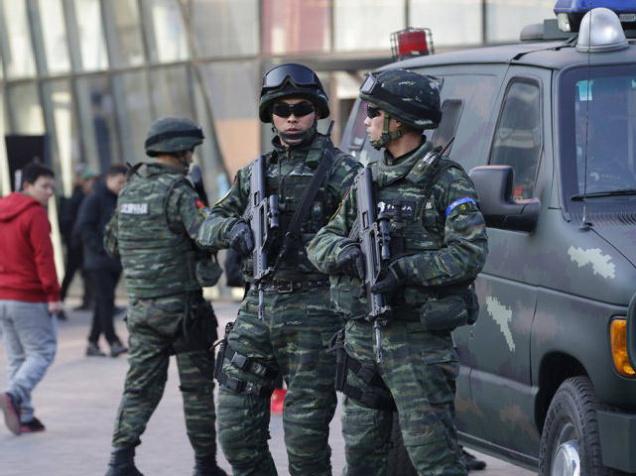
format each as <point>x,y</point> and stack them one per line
<point>435,243</point>
<point>289,173</point>
<point>157,217</point>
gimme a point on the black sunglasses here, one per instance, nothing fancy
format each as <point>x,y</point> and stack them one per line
<point>282,109</point>
<point>373,111</point>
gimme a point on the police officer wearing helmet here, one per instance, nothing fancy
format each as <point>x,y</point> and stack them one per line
<point>158,216</point>
<point>438,246</point>
<point>292,339</point>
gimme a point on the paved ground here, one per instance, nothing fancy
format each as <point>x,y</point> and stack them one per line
<point>77,402</point>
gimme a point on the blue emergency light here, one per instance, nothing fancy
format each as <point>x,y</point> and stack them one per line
<point>570,12</point>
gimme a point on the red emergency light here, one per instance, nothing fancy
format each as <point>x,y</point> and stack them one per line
<point>411,42</point>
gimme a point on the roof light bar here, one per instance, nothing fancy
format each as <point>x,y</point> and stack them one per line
<point>570,12</point>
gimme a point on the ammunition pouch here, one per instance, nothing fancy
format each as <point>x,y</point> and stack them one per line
<point>375,393</point>
<point>246,364</point>
<point>453,307</point>
<point>198,331</point>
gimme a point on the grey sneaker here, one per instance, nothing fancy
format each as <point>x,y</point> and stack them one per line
<point>93,350</point>
<point>117,348</point>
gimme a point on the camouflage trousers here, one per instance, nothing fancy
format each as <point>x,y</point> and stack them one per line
<point>419,368</point>
<point>293,338</point>
<point>157,330</point>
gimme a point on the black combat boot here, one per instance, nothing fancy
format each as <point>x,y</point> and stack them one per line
<point>122,463</point>
<point>207,467</point>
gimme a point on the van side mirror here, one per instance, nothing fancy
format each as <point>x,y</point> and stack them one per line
<point>494,186</point>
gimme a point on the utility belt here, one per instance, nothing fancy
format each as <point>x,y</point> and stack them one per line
<point>284,286</point>
<point>248,365</point>
<point>374,394</point>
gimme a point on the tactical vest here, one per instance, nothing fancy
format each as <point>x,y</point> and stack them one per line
<point>289,178</point>
<point>417,224</point>
<point>157,260</point>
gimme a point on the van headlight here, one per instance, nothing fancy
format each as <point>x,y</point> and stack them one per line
<point>618,345</point>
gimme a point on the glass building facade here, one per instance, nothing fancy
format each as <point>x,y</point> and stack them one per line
<point>91,75</point>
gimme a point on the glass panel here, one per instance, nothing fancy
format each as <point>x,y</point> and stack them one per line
<point>98,122</point>
<point>170,33</point>
<point>295,26</point>
<point>367,24</point>
<point>91,34</point>
<point>128,46</point>
<point>233,92</point>
<point>5,181</point>
<point>518,138</point>
<point>54,35</point>
<point>171,93</point>
<point>134,113</point>
<point>67,138</point>
<point>597,135</point>
<point>453,22</point>
<point>220,27</point>
<point>506,18</point>
<point>19,60</point>
<point>26,109</point>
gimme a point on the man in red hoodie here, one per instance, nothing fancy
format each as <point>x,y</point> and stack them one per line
<point>29,294</point>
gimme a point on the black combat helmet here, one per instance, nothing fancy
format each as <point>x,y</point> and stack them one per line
<point>171,135</point>
<point>409,97</point>
<point>288,80</point>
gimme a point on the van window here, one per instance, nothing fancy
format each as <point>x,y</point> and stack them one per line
<point>518,137</point>
<point>597,132</point>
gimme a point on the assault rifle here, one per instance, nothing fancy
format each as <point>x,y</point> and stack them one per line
<point>263,217</point>
<point>375,243</point>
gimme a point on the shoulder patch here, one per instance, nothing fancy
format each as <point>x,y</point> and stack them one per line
<point>463,205</point>
<point>134,208</point>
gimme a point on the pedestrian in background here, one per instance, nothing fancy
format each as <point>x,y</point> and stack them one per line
<point>103,271</point>
<point>69,209</point>
<point>29,295</point>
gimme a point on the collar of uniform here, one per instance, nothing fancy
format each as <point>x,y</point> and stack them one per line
<point>153,168</point>
<point>390,170</point>
<point>301,151</point>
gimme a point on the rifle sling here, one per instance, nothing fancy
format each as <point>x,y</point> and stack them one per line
<point>293,230</point>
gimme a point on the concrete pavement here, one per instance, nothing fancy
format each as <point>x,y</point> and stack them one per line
<point>78,399</point>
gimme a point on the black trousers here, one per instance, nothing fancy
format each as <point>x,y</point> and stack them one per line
<point>74,259</point>
<point>103,283</point>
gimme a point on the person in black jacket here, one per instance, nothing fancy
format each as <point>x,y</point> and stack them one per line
<point>103,271</point>
<point>69,209</point>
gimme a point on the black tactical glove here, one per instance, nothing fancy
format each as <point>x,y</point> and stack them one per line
<point>388,284</point>
<point>350,261</point>
<point>240,238</point>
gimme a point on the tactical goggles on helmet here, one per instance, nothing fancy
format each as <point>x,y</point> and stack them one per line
<point>296,73</point>
<point>189,133</point>
<point>369,84</point>
<point>283,109</point>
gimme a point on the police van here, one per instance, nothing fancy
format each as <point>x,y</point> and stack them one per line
<point>547,129</point>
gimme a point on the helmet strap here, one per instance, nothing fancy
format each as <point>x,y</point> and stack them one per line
<point>387,136</point>
<point>305,136</point>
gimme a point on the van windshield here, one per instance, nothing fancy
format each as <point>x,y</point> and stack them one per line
<point>598,132</point>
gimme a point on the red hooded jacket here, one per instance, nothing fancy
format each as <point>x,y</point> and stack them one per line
<point>27,268</point>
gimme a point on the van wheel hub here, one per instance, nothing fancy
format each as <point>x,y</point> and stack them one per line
<point>566,460</point>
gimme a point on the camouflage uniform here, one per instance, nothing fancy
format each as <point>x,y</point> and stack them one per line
<point>158,215</point>
<point>435,242</point>
<point>298,321</point>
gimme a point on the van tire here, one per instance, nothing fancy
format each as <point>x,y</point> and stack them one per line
<point>572,418</point>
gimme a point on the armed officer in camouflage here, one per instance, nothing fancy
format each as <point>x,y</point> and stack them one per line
<point>437,246</point>
<point>158,216</point>
<point>293,335</point>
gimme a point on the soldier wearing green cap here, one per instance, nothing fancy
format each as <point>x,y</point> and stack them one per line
<point>437,245</point>
<point>289,333</point>
<point>153,231</point>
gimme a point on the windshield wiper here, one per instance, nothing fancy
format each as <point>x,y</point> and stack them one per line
<point>613,193</point>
